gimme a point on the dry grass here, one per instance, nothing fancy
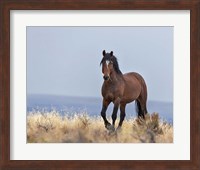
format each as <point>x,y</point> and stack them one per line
<point>52,128</point>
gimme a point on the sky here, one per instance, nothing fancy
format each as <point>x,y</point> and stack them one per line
<point>66,60</point>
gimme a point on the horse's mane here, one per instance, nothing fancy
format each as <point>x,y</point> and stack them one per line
<point>114,60</point>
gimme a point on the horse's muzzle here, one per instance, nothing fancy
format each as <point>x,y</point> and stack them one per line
<point>106,77</point>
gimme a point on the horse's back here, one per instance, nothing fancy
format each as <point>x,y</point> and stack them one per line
<point>134,74</point>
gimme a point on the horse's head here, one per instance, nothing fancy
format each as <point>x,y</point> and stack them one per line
<point>107,64</point>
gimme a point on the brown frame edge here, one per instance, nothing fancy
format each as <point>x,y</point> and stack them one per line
<point>7,5</point>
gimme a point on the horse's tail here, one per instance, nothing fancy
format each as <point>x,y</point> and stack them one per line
<point>139,109</point>
<point>144,94</point>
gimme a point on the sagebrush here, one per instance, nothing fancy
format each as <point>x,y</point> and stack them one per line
<point>51,127</point>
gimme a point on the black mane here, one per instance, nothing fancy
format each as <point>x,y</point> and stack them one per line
<point>114,60</point>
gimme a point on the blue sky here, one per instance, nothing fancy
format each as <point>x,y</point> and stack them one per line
<point>65,60</point>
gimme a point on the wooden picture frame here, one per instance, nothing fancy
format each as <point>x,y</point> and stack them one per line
<point>7,5</point>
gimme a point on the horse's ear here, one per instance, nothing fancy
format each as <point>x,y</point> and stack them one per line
<point>111,53</point>
<point>104,53</point>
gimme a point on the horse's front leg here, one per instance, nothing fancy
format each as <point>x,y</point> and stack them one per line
<point>115,109</point>
<point>103,112</point>
<point>122,114</point>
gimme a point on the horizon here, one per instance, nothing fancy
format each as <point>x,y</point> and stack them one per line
<point>96,97</point>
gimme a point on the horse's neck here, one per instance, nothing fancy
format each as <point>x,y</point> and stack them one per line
<point>115,77</point>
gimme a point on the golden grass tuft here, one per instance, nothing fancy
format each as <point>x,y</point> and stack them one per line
<point>50,127</point>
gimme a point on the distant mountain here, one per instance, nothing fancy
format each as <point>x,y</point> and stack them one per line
<point>69,104</point>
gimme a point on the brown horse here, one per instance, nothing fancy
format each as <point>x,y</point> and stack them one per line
<point>121,89</point>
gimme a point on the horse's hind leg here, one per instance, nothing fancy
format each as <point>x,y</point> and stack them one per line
<point>103,112</point>
<point>142,109</point>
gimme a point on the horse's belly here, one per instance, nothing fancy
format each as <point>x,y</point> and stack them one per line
<point>127,100</point>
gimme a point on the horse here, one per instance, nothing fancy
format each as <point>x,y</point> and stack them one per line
<point>121,89</point>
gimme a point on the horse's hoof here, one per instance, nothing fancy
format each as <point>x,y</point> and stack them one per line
<point>110,128</point>
<point>119,129</point>
<point>112,133</point>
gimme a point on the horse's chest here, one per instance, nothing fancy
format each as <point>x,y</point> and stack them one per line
<point>109,92</point>
<point>109,96</point>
